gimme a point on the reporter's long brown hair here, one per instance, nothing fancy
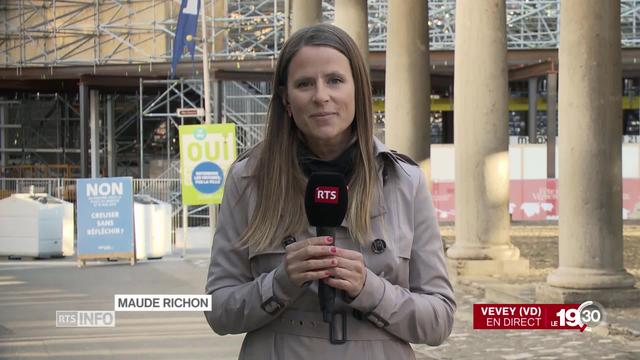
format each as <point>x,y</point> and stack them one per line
<point>279,181</point>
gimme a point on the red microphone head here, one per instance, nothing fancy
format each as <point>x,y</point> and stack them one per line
<point>326,199</point>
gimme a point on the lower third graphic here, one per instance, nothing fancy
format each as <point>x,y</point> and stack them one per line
<point>583,317</point>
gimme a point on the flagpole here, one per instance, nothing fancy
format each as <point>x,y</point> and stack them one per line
<point>205,66</point>
<point>207,98</point>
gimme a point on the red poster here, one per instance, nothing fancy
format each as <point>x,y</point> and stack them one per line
<point>533,200</point>
<point>630,199</point>
<point>444,201</point>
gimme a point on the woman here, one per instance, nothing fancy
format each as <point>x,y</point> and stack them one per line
<point>387,262</point>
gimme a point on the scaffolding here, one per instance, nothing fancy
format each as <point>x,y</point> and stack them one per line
<point>37,129</point>
<point>72,32</point>
<point>43,128</point>
<point>245,104</point>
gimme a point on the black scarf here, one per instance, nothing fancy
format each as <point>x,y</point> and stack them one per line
<point>343,164</point>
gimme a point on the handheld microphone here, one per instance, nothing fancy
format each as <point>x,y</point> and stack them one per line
<point>325,202</point>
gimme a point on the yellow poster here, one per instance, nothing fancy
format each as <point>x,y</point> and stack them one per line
<point>206,153</point>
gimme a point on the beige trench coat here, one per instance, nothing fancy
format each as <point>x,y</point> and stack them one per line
<point>407,297</point>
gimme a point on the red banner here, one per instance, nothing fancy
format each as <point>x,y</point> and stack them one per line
<point>533,200</point>
<point>444,200</point>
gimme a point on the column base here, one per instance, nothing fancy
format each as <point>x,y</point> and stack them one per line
<point>590,279</point>
<point>494,252</point>
<point>460,267</point>
<point>624,297</point>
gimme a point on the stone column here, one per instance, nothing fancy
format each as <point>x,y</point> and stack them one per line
<point>305,13</point>
<point>482,245</point>
<point>590,261</point>
<point>352,16</point>
<point>532,114</point>
<point>407,81</point>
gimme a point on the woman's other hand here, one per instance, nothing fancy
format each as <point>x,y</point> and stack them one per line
<point>349,274</point>
<point>311,259</point>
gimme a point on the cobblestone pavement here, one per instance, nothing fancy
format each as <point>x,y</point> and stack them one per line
<point>31,292</point>
<point>466,343</point>
<point>539,244</point>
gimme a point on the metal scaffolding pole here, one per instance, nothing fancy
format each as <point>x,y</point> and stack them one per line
<point>111,151</point>
<point>532,115</point>
<point>207,103</point>
<point>65,137</point>
<point>94,124</point>
<point>140,135</point>
<point>58,129</point>
<point>168,131</point>
<point>218,100</point>
<point>205,67</point>
<point>84,129</point>
<point>3,142</point>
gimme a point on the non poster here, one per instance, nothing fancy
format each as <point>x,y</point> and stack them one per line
<point>105,217</point>
<point>206,153</point>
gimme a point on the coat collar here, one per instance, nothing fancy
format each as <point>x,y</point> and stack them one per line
<point>381,152</point>
<point>379,148</point>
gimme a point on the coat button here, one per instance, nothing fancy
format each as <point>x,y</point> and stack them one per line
<point>288,241</point>
<point>378,246</point>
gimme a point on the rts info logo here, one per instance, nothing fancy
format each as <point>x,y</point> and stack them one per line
<point>85,319</point>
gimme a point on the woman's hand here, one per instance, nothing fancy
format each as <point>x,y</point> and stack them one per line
<point>310,259</point>
<point>316,259</point>
<point>349,274</point>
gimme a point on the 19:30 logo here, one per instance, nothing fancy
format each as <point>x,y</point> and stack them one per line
<point>585,317</point>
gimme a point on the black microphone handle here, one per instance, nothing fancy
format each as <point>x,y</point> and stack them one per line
<point>326,293</point>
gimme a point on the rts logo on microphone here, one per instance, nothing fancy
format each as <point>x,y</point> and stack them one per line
<point>327,195</point>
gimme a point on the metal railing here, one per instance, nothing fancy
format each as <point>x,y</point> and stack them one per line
<point>61,188</point>
<point>246,104</point>
<point>166,190</point>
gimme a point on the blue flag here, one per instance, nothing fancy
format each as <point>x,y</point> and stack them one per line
<point>187,24</point>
